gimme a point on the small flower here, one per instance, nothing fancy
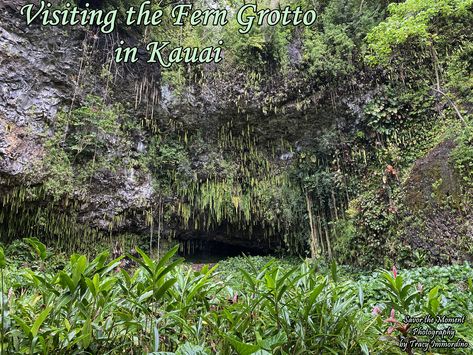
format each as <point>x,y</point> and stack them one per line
<point>420,288</point>
<point>376,311</point>
<point>394,271</point>
<point>403,328</point>
<point>392,318</point>
<point>396,325</point>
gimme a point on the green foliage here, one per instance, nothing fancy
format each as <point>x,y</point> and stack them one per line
<point>3,262</point>
<point>460,72</point>
<point>232,186</point>
<point>418,292</point>
<point>411,19</point>
<point>346,237</point>
<point>397,109</point>
<point>227,179</point>
<point>80,138</point>
<point>90,127</point>
<point>254,307</point>
<point>462,155</point>
<point>331,49</point>
<point>61,175</point>
<point>168,158</point>
<point>256,48</point>
<point>373,220</point>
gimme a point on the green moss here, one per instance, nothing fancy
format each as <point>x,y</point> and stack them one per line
<point>462,155</point>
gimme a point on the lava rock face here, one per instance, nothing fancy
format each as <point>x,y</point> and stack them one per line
<point>44,71</point>
<point>40,75</point>
<point>36,75</point>
<point>438,225</point>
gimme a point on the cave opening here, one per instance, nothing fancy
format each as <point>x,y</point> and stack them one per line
<point>199,251</point>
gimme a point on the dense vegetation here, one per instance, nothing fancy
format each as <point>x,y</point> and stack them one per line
<point>244,306</point>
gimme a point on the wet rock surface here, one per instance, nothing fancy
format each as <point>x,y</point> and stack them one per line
<point>433,179</point>
<point>39,76</point>
<point>46,70</point>
<point>36,70</point>
<point>43,71</point>
<point>437,222</point>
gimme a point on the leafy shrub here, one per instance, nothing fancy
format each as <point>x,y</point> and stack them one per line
<point>463,155</point>
<point>163,307</point>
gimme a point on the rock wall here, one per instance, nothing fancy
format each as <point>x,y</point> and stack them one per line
<point>44,72</point>
<point>438,221</point>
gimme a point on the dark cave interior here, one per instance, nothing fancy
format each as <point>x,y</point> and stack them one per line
<point>209,251</point>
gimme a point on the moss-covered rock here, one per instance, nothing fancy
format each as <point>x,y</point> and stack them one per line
<point>437,217</point>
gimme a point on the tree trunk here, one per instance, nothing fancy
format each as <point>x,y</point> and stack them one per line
<point>314,243</point>
<point>327,238</point>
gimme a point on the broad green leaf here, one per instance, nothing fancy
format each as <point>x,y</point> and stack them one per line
<point>162,290</point>
<point>86,333</point>
<point>39,321</point>
<point>242,348</point>
<point>3,261</point>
